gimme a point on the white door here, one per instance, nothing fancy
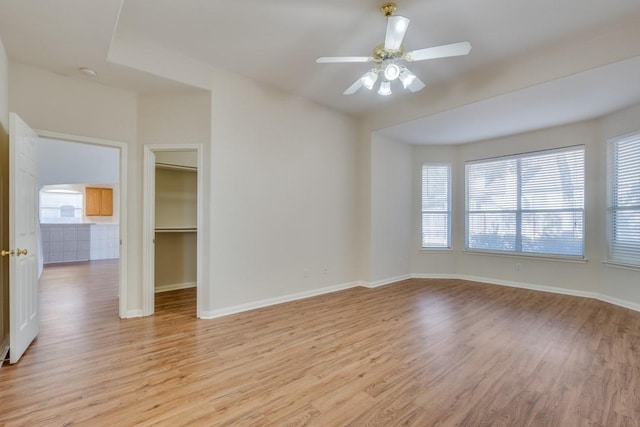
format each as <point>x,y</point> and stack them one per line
<point>24,316</point>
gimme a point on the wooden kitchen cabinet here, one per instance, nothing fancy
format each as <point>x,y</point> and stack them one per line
<point>98,201</point>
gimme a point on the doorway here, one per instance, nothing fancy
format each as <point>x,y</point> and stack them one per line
<point>101,234</point>
<point>172,221</point>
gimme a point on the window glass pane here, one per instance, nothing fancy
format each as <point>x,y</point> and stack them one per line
<point>435,188</point>
<point>492,231</point>
<point>552,232</point>
<point>436,210</point>
<point>435,230</point>
<point>530,203</point>
<point>553,181</point>
<point>627,171</point>
<point>492,186</point>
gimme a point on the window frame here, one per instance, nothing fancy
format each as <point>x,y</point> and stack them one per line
<point>612,188</point>
<point>448,212</point>
<point>519,210</point>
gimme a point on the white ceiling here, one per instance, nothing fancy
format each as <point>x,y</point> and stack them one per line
<point>63,35</point>
<point>578,97</point>
<point>277,41</point>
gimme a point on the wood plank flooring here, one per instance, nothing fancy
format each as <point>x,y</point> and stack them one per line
<point>419,353</point>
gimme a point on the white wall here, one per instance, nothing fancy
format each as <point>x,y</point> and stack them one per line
<point>363,205</point>
<point>615,282</point>
<point>288,194</point>
<point>438,262</point>
<point>590,277</point>
<point>182,118</point>
<point>391,209</point>
<point>4,196</point>
<point>281,199</point>
<point>283,194</point>
<point>75,106</point>
<point>175,118</point>
<point>64,162</point>
<point>4,88</point>
<point>575,276</point>
<point>50,102</point>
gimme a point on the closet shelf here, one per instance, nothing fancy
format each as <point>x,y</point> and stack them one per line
<point>176,229</point>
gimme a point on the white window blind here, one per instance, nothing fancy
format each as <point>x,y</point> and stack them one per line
<point>624,200</point>
<point>531,203</point>
<point>60,206</point>
<point>436,206</point>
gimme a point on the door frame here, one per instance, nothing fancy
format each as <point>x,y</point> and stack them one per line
<point>123,311</point>
<point>148,235</point>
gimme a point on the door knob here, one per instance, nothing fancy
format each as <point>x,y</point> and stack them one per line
<point>21,252</point>
<point>6,253</point>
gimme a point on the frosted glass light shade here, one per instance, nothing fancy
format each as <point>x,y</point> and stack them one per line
<point>407,77</point>
<point>385,89</point>
<point>369,79</point>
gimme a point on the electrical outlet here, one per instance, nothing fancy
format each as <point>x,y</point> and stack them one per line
<point>325,270</point>
<point>305,273</point>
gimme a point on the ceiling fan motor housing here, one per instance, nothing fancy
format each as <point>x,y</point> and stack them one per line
<point>380,54</point>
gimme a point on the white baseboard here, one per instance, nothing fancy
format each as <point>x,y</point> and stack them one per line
<point>620,302</point>
<point>384,282</point>
<point>175,287</point>
<point>530,286</point>
<point>433,276</point>
<point>552,289</point>
<point>212,314</point>
<point>4,349</point>
<point>133,313</point>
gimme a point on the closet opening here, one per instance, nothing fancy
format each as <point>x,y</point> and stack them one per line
<point>171,225</point>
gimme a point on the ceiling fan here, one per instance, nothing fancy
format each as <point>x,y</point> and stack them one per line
<point>388,56</point>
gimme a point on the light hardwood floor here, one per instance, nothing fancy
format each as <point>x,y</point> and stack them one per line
<point>420,353</point>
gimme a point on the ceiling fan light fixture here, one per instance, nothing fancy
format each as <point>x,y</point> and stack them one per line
<point>389,57</point>
<point>369,79</point>
<point>391,72</point>
<point>406,77</point>
<point>385,88</point>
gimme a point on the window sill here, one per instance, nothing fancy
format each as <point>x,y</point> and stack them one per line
<point>621,266</point>
<point>437,250</point>
<point>525,256</point>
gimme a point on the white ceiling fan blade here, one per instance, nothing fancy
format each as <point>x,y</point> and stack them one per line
<point>353,88</point>
<point>416,85</point>
<point>396,28</point>
<point>454,49</point>
<point>334,59</point>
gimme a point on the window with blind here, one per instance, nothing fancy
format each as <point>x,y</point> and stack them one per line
<point>60,206</point>
<point>624,200</point>
<point>436,206</point>
<point>531,203</point>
